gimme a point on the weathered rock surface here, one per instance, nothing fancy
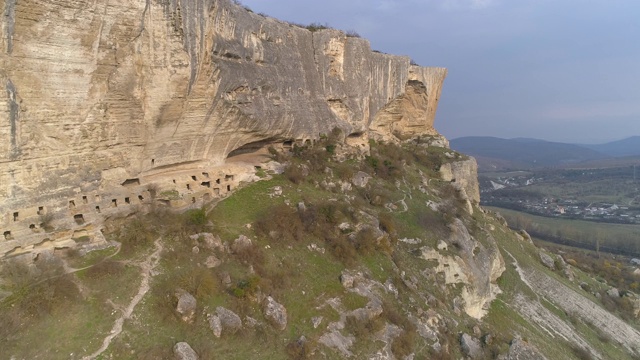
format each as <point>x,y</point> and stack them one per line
<point>134,102</point>
<point>186,305</point>
<point>465,175</point>
<point>520,350</point>
<point>230,321</point>
<point>471,346</point>
<point>547,260</point>
<point>183,351</point>
<point>215,325</point>
<point>275,313</point>
<point>476,265</point>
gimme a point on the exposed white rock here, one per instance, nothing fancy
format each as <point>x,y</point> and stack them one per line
<point>230,321</point>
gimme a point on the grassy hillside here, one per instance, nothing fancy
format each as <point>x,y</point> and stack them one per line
<point>344,258</point>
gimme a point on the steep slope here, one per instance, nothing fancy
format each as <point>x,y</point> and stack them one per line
<point>335,258</point>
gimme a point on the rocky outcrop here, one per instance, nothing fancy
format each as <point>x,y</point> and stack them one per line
<point>108,107</point>
<point>464,174</point>
<point>475,265</point>
<point>229,320</point>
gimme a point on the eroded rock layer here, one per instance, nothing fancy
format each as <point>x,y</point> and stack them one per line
<point>103,98</point>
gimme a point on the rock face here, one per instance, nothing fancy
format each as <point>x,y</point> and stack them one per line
<point>110,106</point>
<point>475,265</point>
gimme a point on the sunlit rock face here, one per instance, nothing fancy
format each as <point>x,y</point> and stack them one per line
<point>101,94</point>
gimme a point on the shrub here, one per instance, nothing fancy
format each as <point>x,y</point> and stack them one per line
<point>363,328</point>
<point>299,349</point>
<point>135,235</point>
<point>196,217</point>
<point>404,344</point>
<point>294,173</point>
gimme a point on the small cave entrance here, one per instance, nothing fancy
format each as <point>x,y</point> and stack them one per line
<point>253,152</point>
<point>228,187</point>
<point>16,216</point>
<point>7,235</point>
<point>98,209</point>
<point>40,210</point>
<point>131,182</point>
<point>79,219</point>
<point>85,200</point>
<point>114,202</point>
<point>206,184</point>
<point>72,204</point>
<point>228,178</point>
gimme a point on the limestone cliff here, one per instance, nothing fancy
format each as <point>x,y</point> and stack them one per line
<point>104,98</point>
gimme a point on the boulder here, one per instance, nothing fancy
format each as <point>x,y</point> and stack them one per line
<point>613,292</point>
<point>471,346</point>
<point>275,313</point>
<point>186,305</point>
<point>241,243</point>
<point>183,351</point>
<point>230,321</point>
<point>212,262</point>
<point>215,325</point>
<point>360,179</point>
<point>547,261</point>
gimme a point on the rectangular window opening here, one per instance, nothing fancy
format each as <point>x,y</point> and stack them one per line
<point>79,218</point>
<point>72,204</point>
<point>114,202</point>
<point>40,210</point>
<point>98,209</point>
<point>15,216</point>
<point>127,200</point>
<point>206,184</point>
<point>7,235</point>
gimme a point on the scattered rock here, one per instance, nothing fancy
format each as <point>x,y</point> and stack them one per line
<point>226,279</point>
<point>195,250</point>
<point>471,346</point>
<point>347,280</point>
<point>302,206</point>
<point>215,325</point>
<point>568,273</point>
<point>275,313</point>
<point>521,350</point>
<point>212,262</point>
<point>230,321</point>
<point>547,261</point>
<point>277,191</point>
<point>525,236</point>
<point>442,246</point>
<point>613,292</point>
<point>316,321</point>
<point>360,179</point>
<point>210,241</point>
<point>186,305</point>
<point>337,341</point>
<point>241,243</point>
<point>251,322</point>
<point>183,351</point>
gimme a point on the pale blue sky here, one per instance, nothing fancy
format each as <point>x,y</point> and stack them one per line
<point>561,70</point>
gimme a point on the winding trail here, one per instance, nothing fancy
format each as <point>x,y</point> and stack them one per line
<point>146,268</point>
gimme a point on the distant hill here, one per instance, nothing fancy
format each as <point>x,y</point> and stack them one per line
<point>625,147</point>
<point>496,153</point>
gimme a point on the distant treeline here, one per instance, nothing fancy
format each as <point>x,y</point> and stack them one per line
<point>612,238</point>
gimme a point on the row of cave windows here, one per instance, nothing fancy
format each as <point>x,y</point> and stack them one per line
<point>79,218</point>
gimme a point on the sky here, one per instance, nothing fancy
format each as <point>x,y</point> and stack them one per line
<point>558,70</point>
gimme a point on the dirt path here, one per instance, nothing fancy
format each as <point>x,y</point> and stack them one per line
<point>146,268</point>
